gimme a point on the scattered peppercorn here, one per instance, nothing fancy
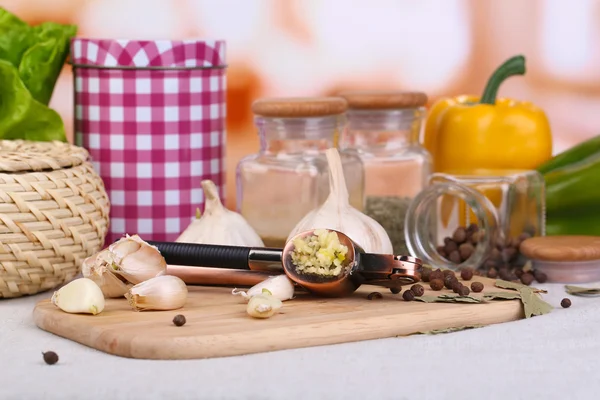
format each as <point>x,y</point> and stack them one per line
<point>565,303</point>
<point>449,281</point>
<point>519,272</point>
<point>448,272</point>
<point>436,284</point>
<point>464,291</point>
<point>408,295</point>
<point>466,274</point>
<point>527,278</point>
<point>492,273</point>
<point>540,276</point>
<point>456,286</point>
<point>179,320</point>
<point>374,295</point>
<point>395,290</point>
<point>417,290</point>
<point>437,274</point>
<point>50,357</point>
<point>425,274</point>
<point>477,287</point>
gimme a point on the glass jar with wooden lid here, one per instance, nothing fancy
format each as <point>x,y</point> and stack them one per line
<point>383,130</point>
<point>289,176</point>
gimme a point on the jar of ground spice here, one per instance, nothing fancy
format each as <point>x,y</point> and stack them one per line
<point>383,130</point>
<point>478,219</point>
<point>289,176</point>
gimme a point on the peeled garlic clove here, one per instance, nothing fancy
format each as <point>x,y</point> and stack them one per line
<point>218,225</point>
<point>81,296</point>
<point>280,286</point>
<point>337,214</point>
<point>135,260</point>
<point>263,305</point>
<point>166,292</point>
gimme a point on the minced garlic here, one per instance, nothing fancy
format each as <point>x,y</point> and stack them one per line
<point>320,253</point>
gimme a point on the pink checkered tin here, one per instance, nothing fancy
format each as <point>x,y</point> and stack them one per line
<point>152,116</point>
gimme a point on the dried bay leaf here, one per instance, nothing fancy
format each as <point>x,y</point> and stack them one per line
<point>516,286</point>
<point>532,302</point>
<point>447,298</point>
<point>449,330</point>
<point>582,291</point>
<point>502,296</point>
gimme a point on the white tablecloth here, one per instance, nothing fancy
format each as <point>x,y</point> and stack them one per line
<point>556,356</point>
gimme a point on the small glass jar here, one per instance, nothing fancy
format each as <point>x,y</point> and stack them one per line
<point>477,220</point>
<point>289,176</point>
<point>384,130</point>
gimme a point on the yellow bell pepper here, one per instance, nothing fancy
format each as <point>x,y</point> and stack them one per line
<point>466,133</point>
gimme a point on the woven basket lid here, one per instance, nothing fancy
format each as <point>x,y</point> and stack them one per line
<point>29,156</point>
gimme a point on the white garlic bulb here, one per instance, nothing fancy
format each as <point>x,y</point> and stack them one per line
<point>165,292</point>
<point>218,225</point>
<point>135,260</point>
<point>336,213</point>
<point>81,296</point>
<point>280,286</point>
<point>98,268</point>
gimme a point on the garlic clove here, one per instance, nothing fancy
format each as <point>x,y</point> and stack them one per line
<point>336,213</point>
<point>123,247</point>
<point>280,287</point>
<point>218,225</point>
<point>81,296</point>
<point>97,268</point>
<point>166,292</point>
<point>135,260</point>
<point>263,305</point>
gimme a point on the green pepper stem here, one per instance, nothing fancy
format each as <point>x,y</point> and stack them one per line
<point>513,66</point>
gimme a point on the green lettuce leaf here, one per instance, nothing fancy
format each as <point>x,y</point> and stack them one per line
<point>21,116</point>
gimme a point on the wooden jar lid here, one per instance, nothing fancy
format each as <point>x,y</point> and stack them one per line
<point>562,248</point>
<point>377,100</point>
<point>299,107</point>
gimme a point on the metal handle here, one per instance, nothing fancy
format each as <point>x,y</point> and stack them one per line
<point>204,255</point>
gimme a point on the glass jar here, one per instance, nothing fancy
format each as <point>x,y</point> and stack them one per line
<point>477,220</point>
<point>383,130</point>
<point>289,176</point>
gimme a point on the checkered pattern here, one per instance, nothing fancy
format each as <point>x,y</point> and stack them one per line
<point>153,135</point>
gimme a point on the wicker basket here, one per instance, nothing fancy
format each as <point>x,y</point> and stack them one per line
<point>53,214</point>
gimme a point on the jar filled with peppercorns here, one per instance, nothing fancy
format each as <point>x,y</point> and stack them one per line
<point>383,130</point>
<point>477,220</point>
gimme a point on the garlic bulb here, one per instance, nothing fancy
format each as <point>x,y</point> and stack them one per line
<point>81,296</point>
<point>135,260</point>
<point>263,305</point>
<point>280,286</point>
<point>336,213</point>
<point>219,225</point>
<point>165,292</point>
<point>98,268</point>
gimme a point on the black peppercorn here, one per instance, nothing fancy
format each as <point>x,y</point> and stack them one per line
<point>519,272</point>
<point>450,245</point>
<point>50,357</point>
<point>466,274</point>
<point>527,278</point>
<point>449,281</point>
<point>540,276</point>
<point>395,290</point>
<point>436,284</point>
<point>472,228</point>
<point>565,303</point>
<point>492,273</point>
<point>464,291</point>
<point>417,290</point>
<point>437,274</point>
<point>447,273</point>
<point>374,295</point>
<point>408,295</point>
<point>460,235</point>
<point>179,320</point>
<point>477,287</point>
<point>425,274</point>
<point>456,286</point>
<point>454,257</point>
<point>466,250</point>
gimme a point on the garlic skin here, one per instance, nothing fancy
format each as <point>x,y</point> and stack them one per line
<point>135,260</point>
<point>280,286</point>
<point>263,305</point>
<point>80,296</point>
<point>218,225</point>
<point>336,213</point>
<point>161,293</point>
<point>98,268</point>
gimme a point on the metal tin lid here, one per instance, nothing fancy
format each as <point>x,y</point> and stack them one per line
<point>147,54</point>
<point>381,100</point>
<point>297,107</point>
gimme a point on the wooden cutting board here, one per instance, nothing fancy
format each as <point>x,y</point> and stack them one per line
<point>217,323</point>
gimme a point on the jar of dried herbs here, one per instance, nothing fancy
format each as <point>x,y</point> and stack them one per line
<point>383,130</point>
<point>289,176</point>
<point>478,219</point>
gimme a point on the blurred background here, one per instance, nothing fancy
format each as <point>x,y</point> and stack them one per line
<point>319,47</point>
